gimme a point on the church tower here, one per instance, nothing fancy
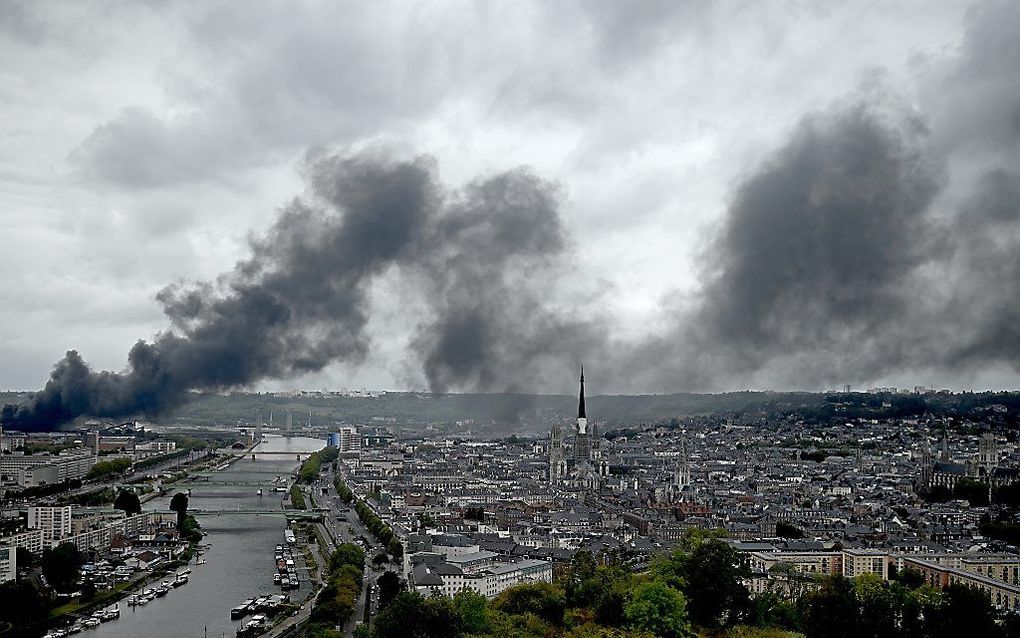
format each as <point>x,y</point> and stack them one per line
<point>582,437</point>
<point>988,454</point>
<point>927,466</point>
<point>557,461</point>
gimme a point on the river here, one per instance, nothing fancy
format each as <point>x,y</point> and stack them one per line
<point>239,558</point>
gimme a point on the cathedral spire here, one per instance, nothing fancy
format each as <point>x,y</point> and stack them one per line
<point>580,402</point>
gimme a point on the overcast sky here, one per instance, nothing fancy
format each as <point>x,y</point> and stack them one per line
<point>144,143</point>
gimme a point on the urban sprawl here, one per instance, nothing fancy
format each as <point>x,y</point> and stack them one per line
<point>923,501</point>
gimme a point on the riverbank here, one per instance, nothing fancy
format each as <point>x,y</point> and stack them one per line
<point>242,530</point>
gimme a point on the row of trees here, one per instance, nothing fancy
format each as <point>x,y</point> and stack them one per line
<point>104,469</point>
<point>153,461</point>
<point>379,529</point>
<point>335,604</point>
<point>313,464</point>
<point>905,608</point>
<point>374,524</point>
<point>297,499</point>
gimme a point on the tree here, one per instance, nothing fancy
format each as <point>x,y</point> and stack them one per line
<point>104,469</point>
<point>179,504</point>
<point>965,611</point>
<point>601,588</point>
<point>88,590</point>
<point>472,608</point>
<point>389,586</point>
<point>25,558</point>
<point>362,631</point>
<point>831,611</point>
<point>582,570</point>
<point>971,490</point>
<point>713,575</point>
<point>411,615</point>
<point>22,606</point>
<point>658,608</point>
<point>395,548</point>
<point>878,606</point>
<point>545,600</point>
<point>128,501</point>
<point>190,530</point>
<point>60,566</point>
<point>347,554</point>
<point>911,578</point>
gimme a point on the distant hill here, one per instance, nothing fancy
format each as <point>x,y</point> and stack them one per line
<point>520,413</point>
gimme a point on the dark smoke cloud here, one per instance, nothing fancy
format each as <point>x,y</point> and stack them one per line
<point>820,246</point>
<point>876,241</point>
<point>300,302</point>
<point>490,272</point>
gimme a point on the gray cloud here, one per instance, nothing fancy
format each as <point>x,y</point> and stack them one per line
<point>299,302</point>
<point>863,242</point>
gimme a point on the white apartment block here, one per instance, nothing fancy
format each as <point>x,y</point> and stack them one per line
<point>8,563</point>
<point>32,540</point>
<point>345,439</point>
<point>55,522</point>
<point>37,469</point>
<point>865,561</point>
<point>448,579</point>
<point>101,537</point>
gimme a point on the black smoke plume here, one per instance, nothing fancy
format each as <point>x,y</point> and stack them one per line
<point>877,241</point>
<point>815,266</point>
<point>300,302</point>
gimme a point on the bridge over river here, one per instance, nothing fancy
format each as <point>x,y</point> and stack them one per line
<point>315,514</point>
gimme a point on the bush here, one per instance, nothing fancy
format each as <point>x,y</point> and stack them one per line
<point>545,600</point>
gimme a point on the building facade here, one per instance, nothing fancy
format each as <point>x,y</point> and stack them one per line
<point>55,522</point>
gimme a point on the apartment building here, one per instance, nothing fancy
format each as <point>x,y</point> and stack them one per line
<point>8,563</point>
<point>38,469</point>
<point>55,522</point>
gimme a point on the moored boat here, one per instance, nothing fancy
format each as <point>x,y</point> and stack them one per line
<point>241,610</point>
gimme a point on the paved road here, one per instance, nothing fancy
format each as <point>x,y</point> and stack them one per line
<point>345,527</point>
<point>339,525</point>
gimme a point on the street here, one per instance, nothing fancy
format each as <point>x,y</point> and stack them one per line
<point>339,525</point>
